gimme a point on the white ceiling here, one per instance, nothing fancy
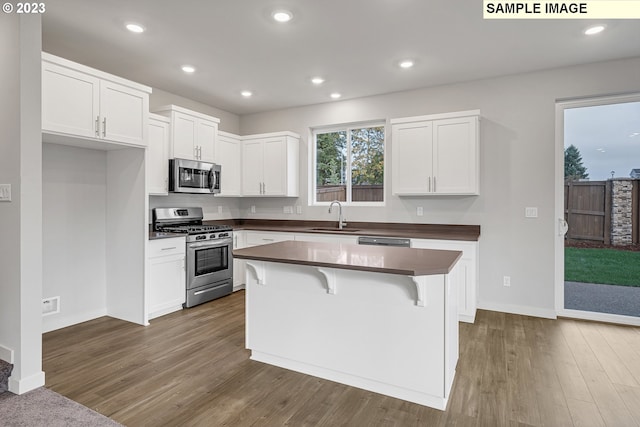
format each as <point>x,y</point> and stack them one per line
<point>354,44</point>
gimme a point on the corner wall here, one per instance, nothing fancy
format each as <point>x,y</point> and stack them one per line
<point>517,158</point>
<point>21,219</point>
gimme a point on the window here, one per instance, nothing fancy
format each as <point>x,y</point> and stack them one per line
<point>349,164</point>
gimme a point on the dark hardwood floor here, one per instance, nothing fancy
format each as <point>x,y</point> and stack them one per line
<point>190,368</point>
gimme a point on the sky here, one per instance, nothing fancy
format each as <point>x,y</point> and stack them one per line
<point>608,137</point>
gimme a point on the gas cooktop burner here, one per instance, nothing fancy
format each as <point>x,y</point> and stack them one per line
<point>193,229</point>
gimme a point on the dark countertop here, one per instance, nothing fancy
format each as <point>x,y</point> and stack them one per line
<point>382,229</point>
<point>379,259</point>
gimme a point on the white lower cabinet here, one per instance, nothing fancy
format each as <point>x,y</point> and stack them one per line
<point>167,278</point>
<point>468,272</point>
<point>328,238</point>
<point>239,265</point>
<point>255,238</point>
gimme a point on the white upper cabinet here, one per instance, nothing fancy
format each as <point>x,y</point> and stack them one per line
<point>270,164</point>
<point>79,101</point>
<point>229,157</point>
<point>193,135</point>
<point>436,155</point>
<point>158,155</point>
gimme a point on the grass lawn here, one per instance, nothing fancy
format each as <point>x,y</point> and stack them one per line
<point>606,266</point>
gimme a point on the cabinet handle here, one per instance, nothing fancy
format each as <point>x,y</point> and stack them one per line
<point>168,249</point>
<point>195,152</point>
<point>97,125</point>
<point>200,152</point>
<point>434,184</point>
<point>429,184</point>
<point>264,188</point>
<point>104,127</point>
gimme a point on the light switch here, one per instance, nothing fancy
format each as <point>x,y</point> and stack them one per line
<point>299,210</point>
<point>219,209</point>
<point>5,192</point>
<point>531,212</point>
<point>419,211</point>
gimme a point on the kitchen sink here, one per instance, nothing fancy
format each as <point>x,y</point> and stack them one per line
<point>335,229</point>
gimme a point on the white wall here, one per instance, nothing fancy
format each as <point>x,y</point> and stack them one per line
<point>517,169</point>
<point>21,219</point>
<point>74,192</point>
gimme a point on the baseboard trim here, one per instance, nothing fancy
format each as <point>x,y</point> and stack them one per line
<point>600,317</point>
<point>54,322</point>
<point>6,354</point>
<point>26,384</point>
<point>519,309</point>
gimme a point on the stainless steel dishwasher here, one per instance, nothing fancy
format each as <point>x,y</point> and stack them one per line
<point>384,241</point>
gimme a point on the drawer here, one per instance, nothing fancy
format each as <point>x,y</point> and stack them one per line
<point>165,247</point>
<point>254,238</point>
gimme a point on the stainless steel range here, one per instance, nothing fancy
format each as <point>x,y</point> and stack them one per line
<point>209,259</point>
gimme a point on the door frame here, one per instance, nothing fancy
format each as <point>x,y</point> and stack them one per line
<point>561,106</point>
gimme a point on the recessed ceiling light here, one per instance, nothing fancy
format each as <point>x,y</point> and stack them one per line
<point>135,28</point>
<point>406,63</point>
<point>317,80</point>
<point>188,69</point>
<point>246,93</point>
<point>282,15</point>
<point>594,30</point>
<point>335,95</point>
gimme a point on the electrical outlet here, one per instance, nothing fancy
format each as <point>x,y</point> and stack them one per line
<point>287,209</point>
<point>50,306</point>
<point>506,281</point>
<point>419,211</point>
<point>5,192</point>
<point>253,209</point>
<point>219,209</point>
<point>299,210</point>
<point>531,212</point>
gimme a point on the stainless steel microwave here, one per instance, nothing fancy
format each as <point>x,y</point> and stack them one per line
<point>192,176</point>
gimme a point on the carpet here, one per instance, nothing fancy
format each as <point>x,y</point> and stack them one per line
<point>43,407</point>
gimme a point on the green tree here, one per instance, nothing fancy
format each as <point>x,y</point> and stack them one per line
<point>573,167</point>
<point>367,156</point>
<point>331,152</point>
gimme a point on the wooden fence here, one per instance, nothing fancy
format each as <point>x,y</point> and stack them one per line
<point>359,193</point>
<point>588,210</point>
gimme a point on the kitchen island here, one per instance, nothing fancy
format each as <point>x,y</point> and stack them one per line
<point>382,319</point>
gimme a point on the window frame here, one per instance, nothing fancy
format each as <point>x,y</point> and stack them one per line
<point>347,127</point>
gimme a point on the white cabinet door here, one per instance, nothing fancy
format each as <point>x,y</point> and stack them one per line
<point>436,154</point>
<point>229,157</point>
<point>70,101</point>
<point>167,277</point>
<point>412,158</point>
<point>270,164</point>
<point>184,131</point>
<point>158,156</point>
<point>274,167</point>
<point>252,167</point>
<point>455,156</point>
<point>123,112</point>
<point>206,140</point>
<point>467,276</point>
<point>79,101</point>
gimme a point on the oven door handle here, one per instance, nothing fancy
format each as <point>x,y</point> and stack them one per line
<point>210,243</point>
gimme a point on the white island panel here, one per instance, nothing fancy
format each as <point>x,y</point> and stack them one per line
<point>359,328</point>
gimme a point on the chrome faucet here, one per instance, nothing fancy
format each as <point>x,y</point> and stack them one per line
<point>341,221</point>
